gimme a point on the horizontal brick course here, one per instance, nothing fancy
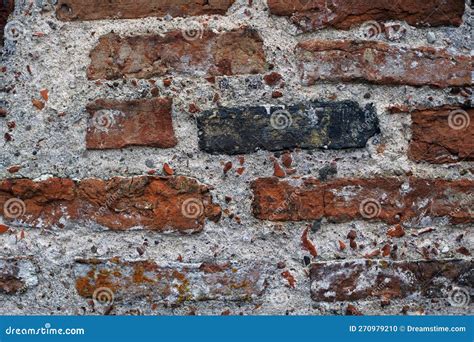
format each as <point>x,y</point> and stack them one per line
<point>310,15</point>
<point>133,9</point>
<point>230,53</point>
<point>413,202</point>
<point>370,279</point>
<point>156,203</point>
<point>172,284</point>
<point>380,63</point>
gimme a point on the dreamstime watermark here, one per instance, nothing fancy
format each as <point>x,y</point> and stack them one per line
<point>459,119</point>
<point>459,297</point>
<point>46,330</point>
<point>369,123</point>
<point>109,202</point>
<point>14,208</point>
<point>411,280</point>
<point>103,296</point>
<point>370,208</point>
<point>193,30</point>
<point>294,198</point>
<point>281,119</point>
<point>14,30</point>
<point>279,299</point>
<point>104,119</point>
<point>371,30</point>
<point>192,208</point>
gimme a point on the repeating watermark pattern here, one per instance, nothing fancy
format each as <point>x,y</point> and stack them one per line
<point>192,208</point>
<point>103,296</point>
<point>193,30</point>
<point>293,198</point>
<point>14,30</point>
<point>459,297</point>
<point>370,208</point>
<point>394,31</point>
<point>109,202</point>
<point>459,119</point>
<point>371,30</point>
<point>368,123</point>
<point>14,208</point>
<point>379,289</point>
<point>279,299</point>
<point>281,119</point>
<point>104,119</point>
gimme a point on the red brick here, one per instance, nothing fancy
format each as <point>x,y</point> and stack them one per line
<point>231,53</point>
<point>156,203</point>
<point>442,135</point>
<point>131,9</point>
<point>281,201</point>
<point>380,63</point>
<point>373,279</point>
<point>116,124</point>
<point>17,275</point>
<point>167,283</point>
<point>383,199</point>
<point>315,14</point>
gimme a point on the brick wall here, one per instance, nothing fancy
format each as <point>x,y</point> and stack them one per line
<point>236,157</point>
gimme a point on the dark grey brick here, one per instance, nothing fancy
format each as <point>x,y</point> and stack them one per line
<point>309,125</point>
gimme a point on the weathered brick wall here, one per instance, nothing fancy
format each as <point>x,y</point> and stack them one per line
<point>236,157</point>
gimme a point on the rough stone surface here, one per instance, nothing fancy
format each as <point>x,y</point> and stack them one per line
<point>442,135</point>
<point>415,202</point>
<point>171,283</point>
<point>309,125</point>
<point>116,124</point>
<point>363,279</point>
<point>206,54</point>
<point>380,63</point>
<point>316,14</point>
<point>156,203</point>
<point>53,56</point>
<point>17,275</point>
<point>131,9</point>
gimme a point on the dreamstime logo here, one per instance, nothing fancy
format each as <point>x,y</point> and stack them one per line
<point>459,119</point>
<point>14,30</point>
<point>279,299</point>
<point>459,297</point>
<point>370,208</point>
<point>103,119</point>
<point>103,296</point>
<point>281,119</point>
<point>371,30</point>
<point>379,289</point>
<point>193,30</point>
<point>192,208</point>
<point>14,208</point>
